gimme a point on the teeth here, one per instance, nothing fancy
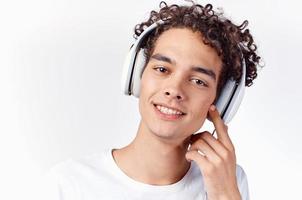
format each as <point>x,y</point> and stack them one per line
<point>168,110</point>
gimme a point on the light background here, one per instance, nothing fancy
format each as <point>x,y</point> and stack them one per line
<point>60,69</point>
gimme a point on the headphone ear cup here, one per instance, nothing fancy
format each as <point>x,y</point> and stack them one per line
<point>223,101</point>
<point>234,105</point>
<point>224,98</point>
<point>126,73</point>
<point>139,65</point>
<point>231,97</point>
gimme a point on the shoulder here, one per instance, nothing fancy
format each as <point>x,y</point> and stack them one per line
<point>74,171</point>
<point>86,164</point>
<point>66,177</point>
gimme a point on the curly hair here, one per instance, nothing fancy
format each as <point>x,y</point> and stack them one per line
<point>231,42</point>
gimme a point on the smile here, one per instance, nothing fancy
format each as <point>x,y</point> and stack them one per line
<point>168,113</point>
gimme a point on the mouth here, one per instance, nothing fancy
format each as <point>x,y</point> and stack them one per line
<point>168,112</point>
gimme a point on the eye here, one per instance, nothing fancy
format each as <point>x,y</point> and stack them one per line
<point>161,69</point>
<point>200,82</point>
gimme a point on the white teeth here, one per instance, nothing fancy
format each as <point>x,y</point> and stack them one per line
<point>168,110</point>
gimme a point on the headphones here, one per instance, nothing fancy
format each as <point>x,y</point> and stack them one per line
<point>227,103</point>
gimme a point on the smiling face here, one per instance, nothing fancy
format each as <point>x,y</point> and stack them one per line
<point>182,74</point>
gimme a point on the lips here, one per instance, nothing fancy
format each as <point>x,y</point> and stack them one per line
<point>169,107</point>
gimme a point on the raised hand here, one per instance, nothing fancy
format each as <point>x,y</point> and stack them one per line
<point>216,159</point>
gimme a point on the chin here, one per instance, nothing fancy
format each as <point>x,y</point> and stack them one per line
<point>169,134</point>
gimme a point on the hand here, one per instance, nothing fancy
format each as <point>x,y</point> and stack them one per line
<point>216,159</point>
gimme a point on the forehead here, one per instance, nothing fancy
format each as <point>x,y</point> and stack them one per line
<point>187,49</point>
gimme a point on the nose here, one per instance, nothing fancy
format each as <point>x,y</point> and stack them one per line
<point>174,90</point>
<point>171,95</point>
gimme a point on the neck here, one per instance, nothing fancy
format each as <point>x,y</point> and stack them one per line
<point>153,160</point>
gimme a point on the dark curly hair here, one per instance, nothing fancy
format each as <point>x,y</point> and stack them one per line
<point>231,42</point>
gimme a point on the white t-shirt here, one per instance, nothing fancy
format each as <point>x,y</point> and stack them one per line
<point>97,177</point>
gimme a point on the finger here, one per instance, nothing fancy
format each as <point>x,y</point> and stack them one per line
<point>196,137</point>
<point>221,128</point>
<point>210,139</point>
<point>202,161</point>
<point>206,150</point>
<point>216,145</point>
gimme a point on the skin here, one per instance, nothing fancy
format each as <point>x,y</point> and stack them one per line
<point>160,145</point>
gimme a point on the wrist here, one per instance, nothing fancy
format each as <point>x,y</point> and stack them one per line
<point>235,195</point>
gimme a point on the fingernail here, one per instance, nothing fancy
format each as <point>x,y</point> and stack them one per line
<point>188,159</point>
<point>212,107</point>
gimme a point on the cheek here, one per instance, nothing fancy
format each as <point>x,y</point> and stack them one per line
<point>147,89</point>
<point>149,84</point>
<point>146,86</point>
<point>202,107</point>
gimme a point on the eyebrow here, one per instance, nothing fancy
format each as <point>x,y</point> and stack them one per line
<point>199,69</point>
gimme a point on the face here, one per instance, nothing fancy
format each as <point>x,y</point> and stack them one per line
<point>182,74</point>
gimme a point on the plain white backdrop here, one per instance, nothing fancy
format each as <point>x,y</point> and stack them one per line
<point>60,94</point>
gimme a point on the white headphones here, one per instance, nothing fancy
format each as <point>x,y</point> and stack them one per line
<point>230,97</point>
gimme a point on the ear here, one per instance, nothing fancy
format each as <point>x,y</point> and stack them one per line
<point>213,103</point>
<point>208,116</point>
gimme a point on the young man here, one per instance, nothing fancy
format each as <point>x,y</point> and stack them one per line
<point>189,58</point>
